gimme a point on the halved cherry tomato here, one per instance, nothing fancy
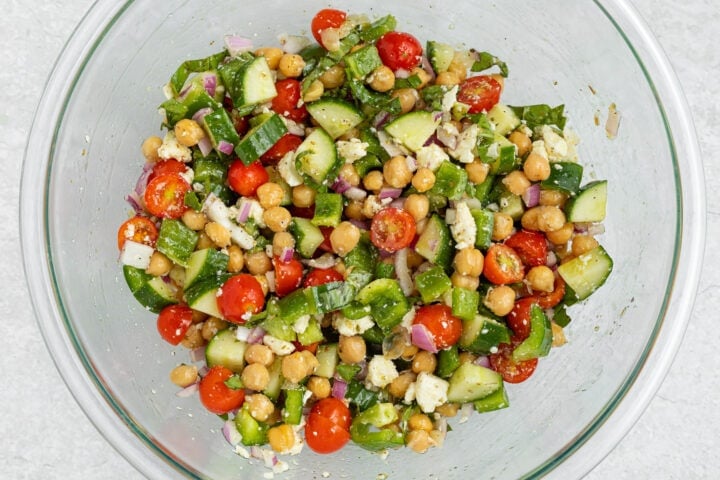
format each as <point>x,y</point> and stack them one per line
<point>530,246</point>
<point>323,436</point>
<point>215,395</point>
<point>442,324</point>
<point>481,93</point>
<point>334,410</point>
<point>321,276</point>
<point>550,299</point>
<point>303,212</point>
<point>286,101</point>
<point>503,265</point>
<point>287,143</point>
<point>511,371</point>
<point>173,322</point>
<point>239,295</point>
<point>326,245</point>
<point>165,195</point>
<point>241,124</point>
<point>245,179</point>
<point>399,50</point>
<point>138,229</point>
<point>519,317</point>
<point>288,275</point>
<point>326,18</point>
<point>392,229</point>
<point>167,166</point>
<point>311,347</point>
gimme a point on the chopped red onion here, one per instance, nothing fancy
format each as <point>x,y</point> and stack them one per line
<point>398,203</point>
<point>200,114</point>
<point>388,192</point>
<point>210,83</point>
<point>230,432</point>
<point>355,193</point>
<point>339,388</point>
<point>256,335</point>
<point>244,211</point>
<point>188,391</point>
<point>142,180</point>
<point>596,229</point>
<point>166,279</point>
<point>256,452</point>
<point>236,45</point>
<point>242,333</point>
<point>425,64</point>
<point>402,73</point>
<point>384,253</point>
<point>134,202</point>
<point>326,260</point>
<point>531,196</point>
<point>203,371</point>
<point>403,272</point>
<point>270,276</point>
<point>287,254</point>
<point>380,119</point>
<point>482,361</point>
<point>340,186</point>
<point>197,354</point>
<point>389,145</point>
<point>184,92</point>
<point>205,146</point>
<point>225,147</point>
<point>422,338</point>
<point>293,43</point>
<point>551,259</point>
<point>580,227</point>
<point>361,224</point>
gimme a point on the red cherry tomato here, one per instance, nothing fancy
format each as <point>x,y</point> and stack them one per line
<point>481,93</point>
<point>323,436</point>
<point>326,18</point>
<point>286,101</point>
<point>326,245</point>
<point>442,324</point>
<point>519,317</point>
<point>503,265</point>
<point>167,166</point>
<point>550,299</point>
<point>321,276</point>
<point>238,296</point>
<point>165,195</point>
<point>511,371</point>
<point>530,246</point>
<point>245,179</point>
<point>303,212</point>
<point>138,229</point>
<point>288,276</point>
<point>173,322</point>
<point>287,143</point>
<point>311,347</point>
<point>334,410</point>
<point>241,124</point>
<point>399,50</point>
<point>392,229</point>
<point>215,395</point>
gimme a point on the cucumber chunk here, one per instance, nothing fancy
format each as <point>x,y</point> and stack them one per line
<point>504,119</point>
<point>538,343</point>
<point>176,241</point>
<point>260,138</point>
<point>435,243</point>
<point>482,334</point>
<point>589,205</point>
<point>327,356</point>
<point>586,273</point>
<point>204,263</point>
<point>316,158</point>
<point>307,236</point>
<point>335,116</point>
<point>495,401</point>
<point>202,295</point>
<point>226,350</point>
<point>440,55</point>
<point>150,292</point>
<point>257,85</point>
<point>413,129</point>
<point>472,382</point>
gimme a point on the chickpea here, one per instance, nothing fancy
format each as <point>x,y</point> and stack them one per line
<point>582,244</point>
<point>500,300</point>
<point>399,386</point>
<point>467,357</point>
<point>424,361</point>
<point>348,173</point>
<point>333,77</point>
<point>270,195</point>
<point>396,172</point>
<point>198,316</point>
<point>458,68</point>
<point>408,98</point>
<point>281,241</point>
<point>447,78</point>
<point>204,242</point>
<point>193,337</point>
<point>558,335</point>
<point>477,171</point>
<point>351,349</point>
<point>291,65</point>
<point>236,261</point>
<point>562,235</point>
<point>469,282</point>
<point>259,406</point>
<point>516,182</point>
<point>373,180</point>
<point>423,180</point>
<point>420,226</point>
<point>303,196</point>
<point>529,219</point>
<point>160,265</point>
<point>417,205</point>
<point>521,141</point>
<point>381,79</point>
<point>344,238</point>
<point>281,438</point>
<point>211,326</point>
<point>188,132</point>
<point>414,259</point>
<point>259,353</point>
<point>255,376</point>
<point>150,148</point>
<point>549,218</point>
<point>420,421</point>
<point>184,375</point>
<point>194,220</point>
<point>554,198</point>
<point>422,75</point>
<point>447,410</point>
<point>536,167</point>
<point>277,219</point>
<point>258,263</point>
<point>541,278</point>
<point>314,92</point>
<point>469,261</point>
<point>419,441</point>
<point>502,226</point>
<point>272,56</point>
<point>319,386</point>
<point>219,235</point>
<point>353,210</point>
<point>177,275</point>
<point>409,352</point>
<point>298,365</point>
<point>263,281</point>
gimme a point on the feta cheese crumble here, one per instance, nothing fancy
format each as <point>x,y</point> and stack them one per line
<point>381,371</point>
<point>171,148</point>
<point>463,228</point>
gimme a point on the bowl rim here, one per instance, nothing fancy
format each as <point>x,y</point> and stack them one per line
<point>596,440</point>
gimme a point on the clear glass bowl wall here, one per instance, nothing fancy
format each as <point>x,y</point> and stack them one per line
<point>558,51</point>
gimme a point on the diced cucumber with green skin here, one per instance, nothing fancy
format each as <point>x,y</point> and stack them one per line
<point>272,391</point>
<point>220,128</point>
<point>292,413</point>
<point>483,334</point>
<point>495,401</point>
<point>472,382</point>
<point>328,210</point>
<point>260,138</point>
<point>504,119</point>
<point>150,292</point>
<point>564,176</point>
<point>435,243</point>
<point>450,181</point>
<point>432,283</point>
<point>586,273</point>
<point>202,295</point>
<point>512,205</point>
<point>448,361</point>
<point>366,164</point>
<point>204,263</point>
<point>252,431</point>
<point>465,303</point>
<point>327,357</point>
<point>378,28</point>
<point>316,158</point>
<point>307,236</point>
<point>500,155</point>
<point>335,116</point>
<point>440,55</point>
<point>538,343</point>
<point>312,334</point>
<point>589,205</point>
<point>254,83</point>
<point>226,350</point>
<point>413,129</point>
<point>484,221</point>
<point>176,241</point>
<point>388,304</point>
<point>362,61</point>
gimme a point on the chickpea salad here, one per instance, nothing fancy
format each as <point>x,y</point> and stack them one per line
<point>356,238</point>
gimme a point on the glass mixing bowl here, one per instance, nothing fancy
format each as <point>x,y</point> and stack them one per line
<point>83,156</point>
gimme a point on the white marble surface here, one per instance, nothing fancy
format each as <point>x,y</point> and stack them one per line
<point>43,432</point>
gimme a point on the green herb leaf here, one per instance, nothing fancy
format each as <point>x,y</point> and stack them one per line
<point>234,383</point>
<point>487,60</point>
<point>537,115</point>
<point>193,66</point>
<point>347,372</point>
